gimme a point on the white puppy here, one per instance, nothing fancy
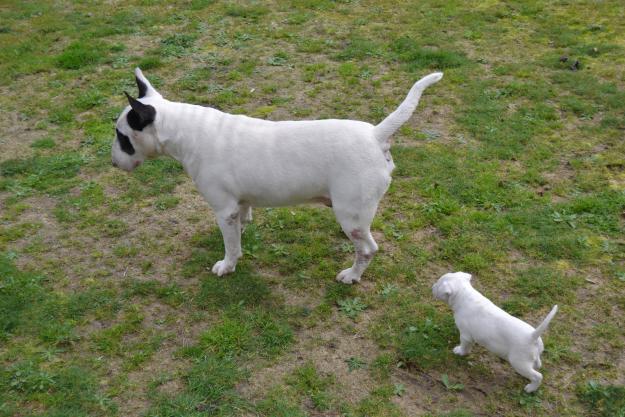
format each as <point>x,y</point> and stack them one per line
<point>238,162</point>
<point>480,321</point>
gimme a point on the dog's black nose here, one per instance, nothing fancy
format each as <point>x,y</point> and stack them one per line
<point>114,164</point>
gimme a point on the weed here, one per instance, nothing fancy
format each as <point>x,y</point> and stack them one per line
<point>351,307</point>
<point>354,363</point>
<point>399,390</point>
<point>278,59</point>
<point>388,290</point>
<point>449,385</point>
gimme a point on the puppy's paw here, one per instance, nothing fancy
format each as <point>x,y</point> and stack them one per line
<point>347,276</point>
<point>222,267</point>
<point>459,351</point>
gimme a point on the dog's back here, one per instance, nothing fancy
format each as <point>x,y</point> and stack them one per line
<point>290,162</point>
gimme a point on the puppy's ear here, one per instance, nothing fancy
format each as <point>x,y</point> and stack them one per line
<point>141,114</point>
<point>442,290</point>
<point>466,277</point>
<point>144,86</point>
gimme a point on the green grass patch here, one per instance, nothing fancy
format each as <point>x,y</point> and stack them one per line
<point>416,57</point>
<point>307,381</point>
<point>541,288</point>
<point>603,400</point>
<point>419,334</point>
<point>52,174</point>
<point>80,54</point>
<point>43,143</point>
<point>252,12</point>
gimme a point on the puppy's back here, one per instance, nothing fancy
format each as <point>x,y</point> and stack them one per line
<point>492,327</point>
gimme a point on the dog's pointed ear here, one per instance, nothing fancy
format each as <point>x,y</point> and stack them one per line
<point>141,114</point>
<point>144,86</point>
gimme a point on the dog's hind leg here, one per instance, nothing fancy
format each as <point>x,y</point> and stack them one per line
<point>245,215</point>
<point>526,368</point>
<point>230,224</point>
<point>356,226</point>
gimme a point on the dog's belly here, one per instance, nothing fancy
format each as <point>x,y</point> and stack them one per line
<point>285,196</point>
<point>326,201</point>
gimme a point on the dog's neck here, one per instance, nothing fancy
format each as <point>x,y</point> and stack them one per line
<point>181,127</point>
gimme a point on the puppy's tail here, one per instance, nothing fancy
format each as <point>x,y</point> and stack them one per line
<point>543,326</point>
<point>388,126</point>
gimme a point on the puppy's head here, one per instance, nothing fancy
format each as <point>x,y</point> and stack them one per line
<point>136,137</point>
<point>449,283</point>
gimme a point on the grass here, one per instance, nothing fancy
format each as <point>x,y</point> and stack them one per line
<point>603,400</point>
<point>512,169</point>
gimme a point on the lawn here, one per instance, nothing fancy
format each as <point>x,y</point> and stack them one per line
<point>512,169</point>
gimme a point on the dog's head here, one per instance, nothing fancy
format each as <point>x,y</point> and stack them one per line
<point>449,283</point>
<point>136,136</point>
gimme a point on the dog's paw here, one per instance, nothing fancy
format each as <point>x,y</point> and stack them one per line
<point>529,388</point>
<point>347,276</point>
<point>459,351</point>
<point>222,267</point>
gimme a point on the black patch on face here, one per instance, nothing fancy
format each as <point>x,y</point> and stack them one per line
<point>124,143</point>
<point>143,89</point>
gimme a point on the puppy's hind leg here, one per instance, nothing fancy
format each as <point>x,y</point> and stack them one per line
<point>229,222</point>
<point>526,368</point>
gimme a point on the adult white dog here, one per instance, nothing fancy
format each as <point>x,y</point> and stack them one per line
<point>480,321</point>
<point>238,162</point>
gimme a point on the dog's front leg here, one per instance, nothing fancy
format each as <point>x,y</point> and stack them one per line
<point>230,225</point>
<point>464,348</point>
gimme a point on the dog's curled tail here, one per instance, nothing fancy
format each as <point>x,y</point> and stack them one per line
<point>388,126</point>
<point>543,326</point>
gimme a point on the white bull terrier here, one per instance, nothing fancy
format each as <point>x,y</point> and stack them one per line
<point>480,321</point>
<point>238,162</point>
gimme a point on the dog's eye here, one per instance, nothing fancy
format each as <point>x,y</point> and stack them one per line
<point>125,144</point>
